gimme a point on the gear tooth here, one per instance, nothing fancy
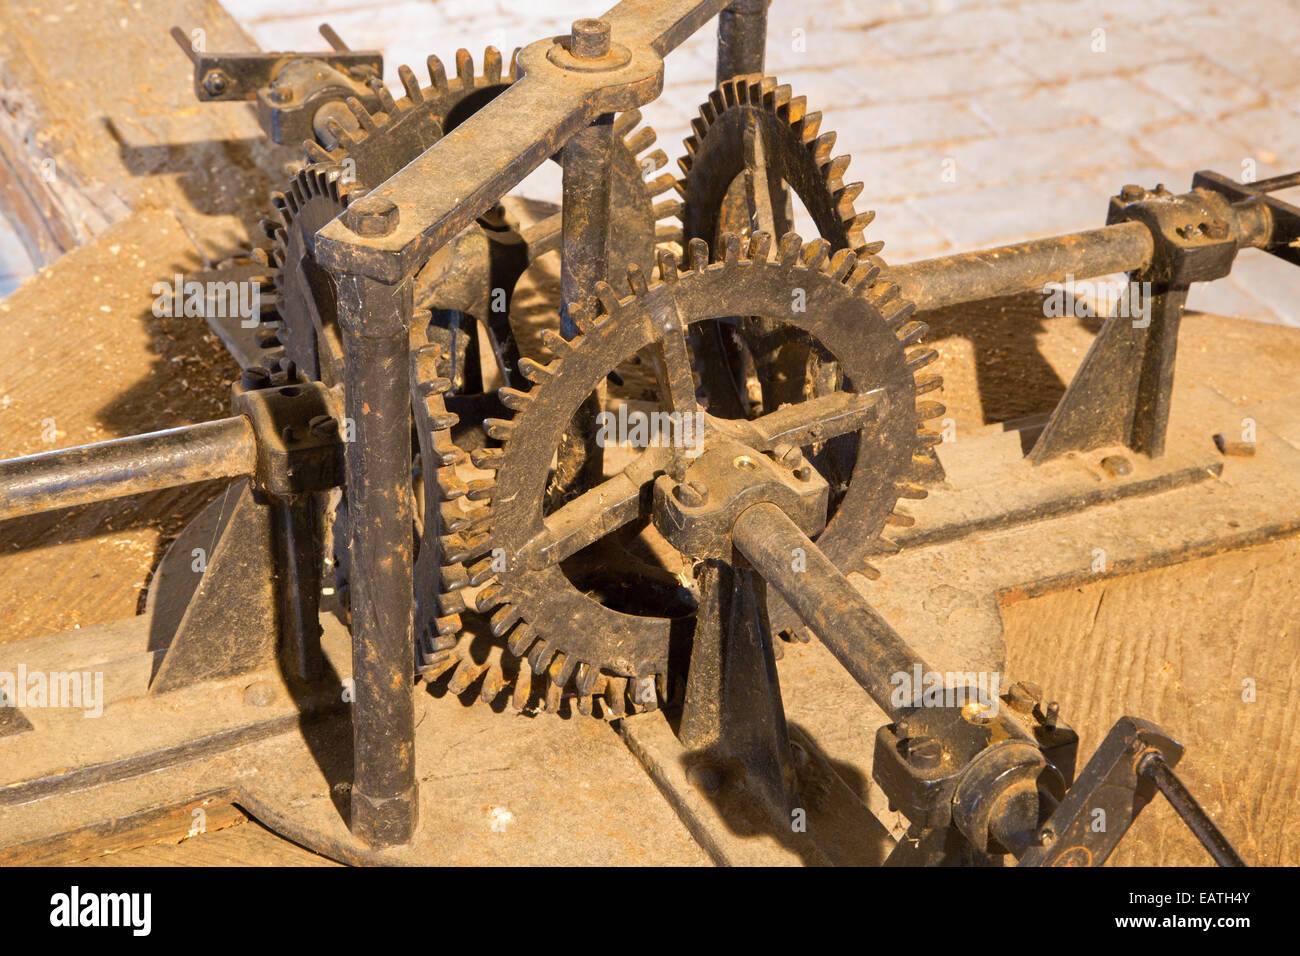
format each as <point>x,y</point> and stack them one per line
<point>883,291</point>
<point>925,438</point>
<point>822,147</point>
<point>341,134</point>
<point>589,679</point>
<point>729,94</point>
<point>717,99</point>
<point>362,114</point>
<point>519,641</point>
<point>580,315</point>
<point>636,280</point>
<point>539,658</point>
<point>660,185</point>
<point>446,452</point>
<point>450,485</point>
<point>534,371</point>
<point>692,144</point>
<point>498,428</point>
<point>386,100</point>
<point>900,519</point>
<point>929,383</point>
<point>787,250</point>
<point>667,209</point>
<point>493,683</point>
<point>487,459</point>
<point>911,332</point>
<point>557,343</point>
<point>760,245</point>
<point>869,571</point>
<point>464,677</point>
<point>859,223</point>
<point>667,266</point>
<point>731,249</point>
<point>481,489</point>
<point>778,97</point>
<point>554,696</point>
<point>465,68</point>
<point>842,265</point>
<point>452,603</point>
<point>864,277</point>
<point>911,490</point>
<point>503,619</point>
<point>928,410</point>
<point>835,171</point>
<point>513,72</point>
<point>585,705</point>
<point>481,572</point>
<point>848,195</point>
<point>410,84</point>
<point>795,109</point>
<point>616,696</point>
<point>708,113</point>
<point>268,227</point>
<point>699,128</point>
<point>513,398</point>
<point>626,121</point>
<point>561,669</point>
<point>607,297</point>
<point>315,152</point>
<point>919,358</point>
<point>816,255</point>
<point>640,141</point>
<point>699,253</point>
<point>522,692</point>
<point>492,65</point>
<point>886,546</point>
<point>437,73</point>
<point>808,129</point>
<point>489,598</point>
<point>441,420</point>
<point>871,249</point>
<point>438,666</point>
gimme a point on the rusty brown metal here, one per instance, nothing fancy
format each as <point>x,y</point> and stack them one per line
<point>127,466</point>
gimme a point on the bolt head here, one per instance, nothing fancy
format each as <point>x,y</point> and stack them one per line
<point>1132,193</point>
<point>372,216</point>
<point>589,39</point>
<point>255,377</point>
<point>215,82</point>
<point>692,493</point>
<point>925,753</point>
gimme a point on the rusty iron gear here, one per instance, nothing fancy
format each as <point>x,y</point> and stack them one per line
<point>566,635</point>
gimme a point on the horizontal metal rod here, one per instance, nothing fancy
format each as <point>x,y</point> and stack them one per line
<point>861,640</point>
<point>1023,266</point>
<point>126,466</point>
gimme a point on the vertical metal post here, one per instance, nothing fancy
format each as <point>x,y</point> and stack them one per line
<point>742,37</point>
<point>375,319</point>
<point>297,523</point>
<point>584,249</point>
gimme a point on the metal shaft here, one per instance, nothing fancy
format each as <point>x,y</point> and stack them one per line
<point>126,466</point>
<point>1023,266</point>
<point>742,36</point>
<point>1193,815</point>
<point>824,598</point>
<point>374,318</point>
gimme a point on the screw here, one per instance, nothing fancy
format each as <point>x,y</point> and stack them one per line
<point>1023,695</point>
<point>1132,193</point>
<point>924,752</point>
<point>677,470</point>
<point>1191,232</point>
<point>1046,836</point>
<point>589,39</point>
<point>692,493</point>
<point>901,730</point>
<point>1052,712</point>
<point>215,82</point>
<point>1116,465</point>
<point>255,377</point>
<point>372,216</point>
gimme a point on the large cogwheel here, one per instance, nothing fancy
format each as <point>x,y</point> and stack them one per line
<point>752,146</point>
<point>523,558</point>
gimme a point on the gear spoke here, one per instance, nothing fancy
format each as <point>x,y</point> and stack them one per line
<point>673,362</point>
<point>817,420</point>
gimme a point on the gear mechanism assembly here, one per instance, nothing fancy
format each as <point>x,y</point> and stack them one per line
<point>608,462</point>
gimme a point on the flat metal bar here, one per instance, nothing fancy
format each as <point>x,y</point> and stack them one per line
<point>1197,820</point>
<point>663,25</point>
<point>1023,266</point>
<point>861,640</point>
<point>457,179</point>
<point>742,37</point>
<point>127,466</point>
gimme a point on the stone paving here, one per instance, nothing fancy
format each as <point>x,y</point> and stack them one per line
<point>971,123</point>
